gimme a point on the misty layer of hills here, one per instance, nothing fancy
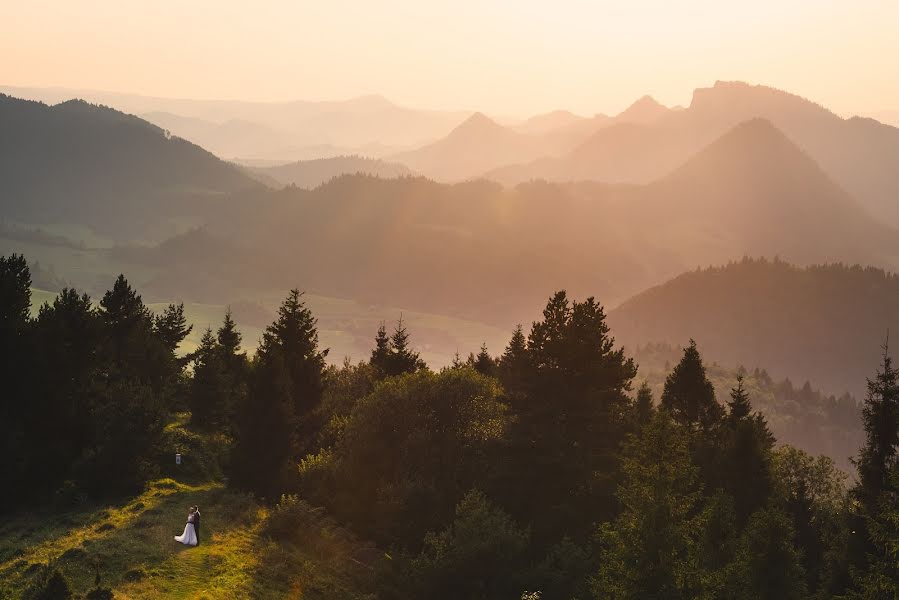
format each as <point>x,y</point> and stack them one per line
<point>285,131</point>
<point>824,323</point>
<point>77,162</point>
<point>312,173</point>
<point>743,171</point>
<point>862,155</point>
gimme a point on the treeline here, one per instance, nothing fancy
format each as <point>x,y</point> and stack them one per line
<point>544,470</point>
<point>798,415</point>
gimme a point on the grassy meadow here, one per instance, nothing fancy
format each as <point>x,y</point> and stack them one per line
<point>131,543</point>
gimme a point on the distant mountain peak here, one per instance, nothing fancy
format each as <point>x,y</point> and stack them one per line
<point>729,96</point>
<point>644,110</point>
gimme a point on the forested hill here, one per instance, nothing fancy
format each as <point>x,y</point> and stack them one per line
<point>820,323</point>
<point>312,173</point>
<point>77,162</point>
<point>476,249</point>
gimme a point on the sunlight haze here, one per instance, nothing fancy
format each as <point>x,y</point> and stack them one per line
<point>505,58</point>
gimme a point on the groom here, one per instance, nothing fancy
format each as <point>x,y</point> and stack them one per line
<point>197,523</point>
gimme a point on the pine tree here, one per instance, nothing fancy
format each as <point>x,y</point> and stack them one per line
<point>402,358</point>
<point>294,336</point>
<point>208,392</point>
<point>513,364</point>
<point>381,352</point>
<point>123,310</point>
<point>739,405</point>
<point>571,420</point>
<point>484,363</point>
<point>643,406</point>
<point>265,438</point>
<point>744,457</point>
<point>171,326</point>
<point>689,395</point>
<point>229,338</point>
<point>873,552</point>
<point>881,420</point>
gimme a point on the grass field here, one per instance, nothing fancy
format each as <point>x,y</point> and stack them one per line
<point>131,543</point>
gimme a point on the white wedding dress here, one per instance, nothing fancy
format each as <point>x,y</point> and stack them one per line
<point>189,537</point>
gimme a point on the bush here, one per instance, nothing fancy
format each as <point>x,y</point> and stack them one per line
<point>49,585</point>
<point>203,456</point>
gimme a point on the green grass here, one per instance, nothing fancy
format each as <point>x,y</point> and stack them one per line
<point>132,543</point>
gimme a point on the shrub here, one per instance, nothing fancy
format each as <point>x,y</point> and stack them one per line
<point>49,585</point>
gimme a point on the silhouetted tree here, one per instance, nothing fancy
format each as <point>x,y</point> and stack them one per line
<point>172,327</point>
<point>295,337</point>
<point>689,395</point>
<point>483,363</point>
<point>265,431</point>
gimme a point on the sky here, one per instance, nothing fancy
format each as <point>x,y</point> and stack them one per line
<point>511,58</point>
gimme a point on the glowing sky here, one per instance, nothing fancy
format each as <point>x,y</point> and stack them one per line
<point>505,57</point>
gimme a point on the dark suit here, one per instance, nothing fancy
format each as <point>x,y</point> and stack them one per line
<point>197,526</point>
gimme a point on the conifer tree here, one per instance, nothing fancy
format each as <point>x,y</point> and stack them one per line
<point>689,395</point>
<point>513,364</point>
<point>650,550</point>
<point>402,358</point>
<point>745,457</point>
<point>229,340</point>
<point>294,337</point>
<point>265,436</point>
<point>873,553</point>
<point>207,390</point>
<point>643,405</point>
<point>172,327</point>
<point>381,352</point>
<point>571,419</point>
<point>880,416</point>
<point>483,363</point>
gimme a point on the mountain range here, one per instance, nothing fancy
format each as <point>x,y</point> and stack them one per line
<point>282,131</point>
<point>861,154</point>
<point>474,249</point>
<point>77,162</point>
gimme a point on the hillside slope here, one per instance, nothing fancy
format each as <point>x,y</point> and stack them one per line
<point>478,250</point>
<point>80,163</point>
<point>826,324</point>
<point>240,555</point>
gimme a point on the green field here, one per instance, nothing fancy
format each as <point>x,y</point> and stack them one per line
<point>131,542</point>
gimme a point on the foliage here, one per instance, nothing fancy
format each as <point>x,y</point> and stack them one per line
<point>481,555</point>
<point>650,550</point>
<point>409,451</point>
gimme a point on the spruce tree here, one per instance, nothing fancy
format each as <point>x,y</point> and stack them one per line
<point>643,405</point>
<point>294,337</point>
<point>872,551</point>
<point>381,352</point>
<point>744,456</point>
<point>229,340</point>
<point>402,358</point>
<point>513,364</point>
<point>172,327</point>
<point>880,416</point>
<point>208,393</point>
<point>689,395</point>
<point>265,436</point>
<point>484,363</point>
<point>571,420</point>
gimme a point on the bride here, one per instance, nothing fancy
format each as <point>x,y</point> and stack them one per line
<point>189,537</point>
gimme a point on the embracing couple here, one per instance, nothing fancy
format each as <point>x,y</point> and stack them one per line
<point>191,535</point>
